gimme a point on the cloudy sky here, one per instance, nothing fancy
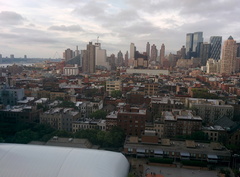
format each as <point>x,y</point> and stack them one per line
<point>45,28</point>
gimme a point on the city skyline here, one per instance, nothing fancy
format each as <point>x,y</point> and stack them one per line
<point>46,28</point>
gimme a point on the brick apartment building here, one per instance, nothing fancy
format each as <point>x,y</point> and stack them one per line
<point>132,120</point>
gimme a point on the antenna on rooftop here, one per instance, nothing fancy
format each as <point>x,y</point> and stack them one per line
<point>97,39</point>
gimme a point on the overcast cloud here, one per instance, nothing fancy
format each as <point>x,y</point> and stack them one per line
<point>42,28</point>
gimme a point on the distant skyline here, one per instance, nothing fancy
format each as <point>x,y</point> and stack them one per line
<point>43,28</point>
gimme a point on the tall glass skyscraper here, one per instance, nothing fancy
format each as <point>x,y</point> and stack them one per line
<point>193,41</point>
<point>189,42</point>
<point>197,38</point>
<point>216,45</point>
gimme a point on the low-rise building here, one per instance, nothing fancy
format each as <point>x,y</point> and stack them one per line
<point>10,96</point>
<point>210,110</point>
<point>111,120</point>
<point>161,104</point>
<point>180,122</point>
<point>215,133</point>
<point>60,118</point>
<point>85,124</point>
<point>71,70</point>
<point>112,85</point>
<point>178,150</point>
<point>18,114</point>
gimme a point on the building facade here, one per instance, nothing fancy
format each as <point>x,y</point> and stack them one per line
<point>162,54</point>
<point>71,70</point>
<point>60,118</point>
<point>132,120</point>
<point>132,51</point>
<point>112,85</point>
<point>216,46</point>
<point>154,53</point>
<point>229,56</point>
<point>88,59</point>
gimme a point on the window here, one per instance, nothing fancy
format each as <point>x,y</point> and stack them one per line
<point>130,150</point>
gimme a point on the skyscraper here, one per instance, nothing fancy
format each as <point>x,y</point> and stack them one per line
<point>154,53</point>
<point>183,52</point>
<point>193,41</point>
<point>132,50</point>
<point>68,54</point>
<point>216,44</point>
<point>119,59</point>
<point>238,49</point>
<point>197,38</point>
<point>88,59</point>
<point>148,50</point>
<point>162,53</point>
<point>101,56</point>
<point>76,52</point>
<point>229,55</point>
<point>189,42</point>
<point>126,59</point>
<point>204,52</point>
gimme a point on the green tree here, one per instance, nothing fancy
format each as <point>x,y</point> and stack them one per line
<point>90,92</point>
<point>118,137</point>
<point>25,136</point>
<point>203,93</point>
<point>99,114</point>
<point>116,94</point>
<point>199,135</point>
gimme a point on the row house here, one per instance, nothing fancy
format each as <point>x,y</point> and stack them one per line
<point>180,122</point>
<point>210,109</point>
<point>161,104</point>
<point>60,118</point>
<point>85,124</point>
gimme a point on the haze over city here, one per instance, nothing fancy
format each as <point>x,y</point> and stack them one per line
<point>44,28</point>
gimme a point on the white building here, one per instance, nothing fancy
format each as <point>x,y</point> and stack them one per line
<point>72,70</point>
<point>132,51</point>
<point>213,66</point>
<point>34,160</point>
<point>86,124</point>
<point>101,56</point>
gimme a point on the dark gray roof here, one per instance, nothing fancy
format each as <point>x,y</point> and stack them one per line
<point>230,38</point>
<point>225,122</point>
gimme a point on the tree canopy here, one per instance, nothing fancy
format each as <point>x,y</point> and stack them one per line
<point>116,94</point>
<point>203,93</point>
<point>99,114</point>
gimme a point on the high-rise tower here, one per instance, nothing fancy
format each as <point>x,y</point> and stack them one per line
<point>101,56</point>
<point>126,59</point>
<point>154,52</point>
<point>216,44</point>
<point>229,55</point>
<point>119,59</point>
<point>197,38</point>
<point>204,53</point>
<point>162,53</point>
<point>68,54</point>
<point>193,41</point>
<point>132,50</point>
<point>189,42</point>
<point>88,59</point>
<point>148,50</point>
